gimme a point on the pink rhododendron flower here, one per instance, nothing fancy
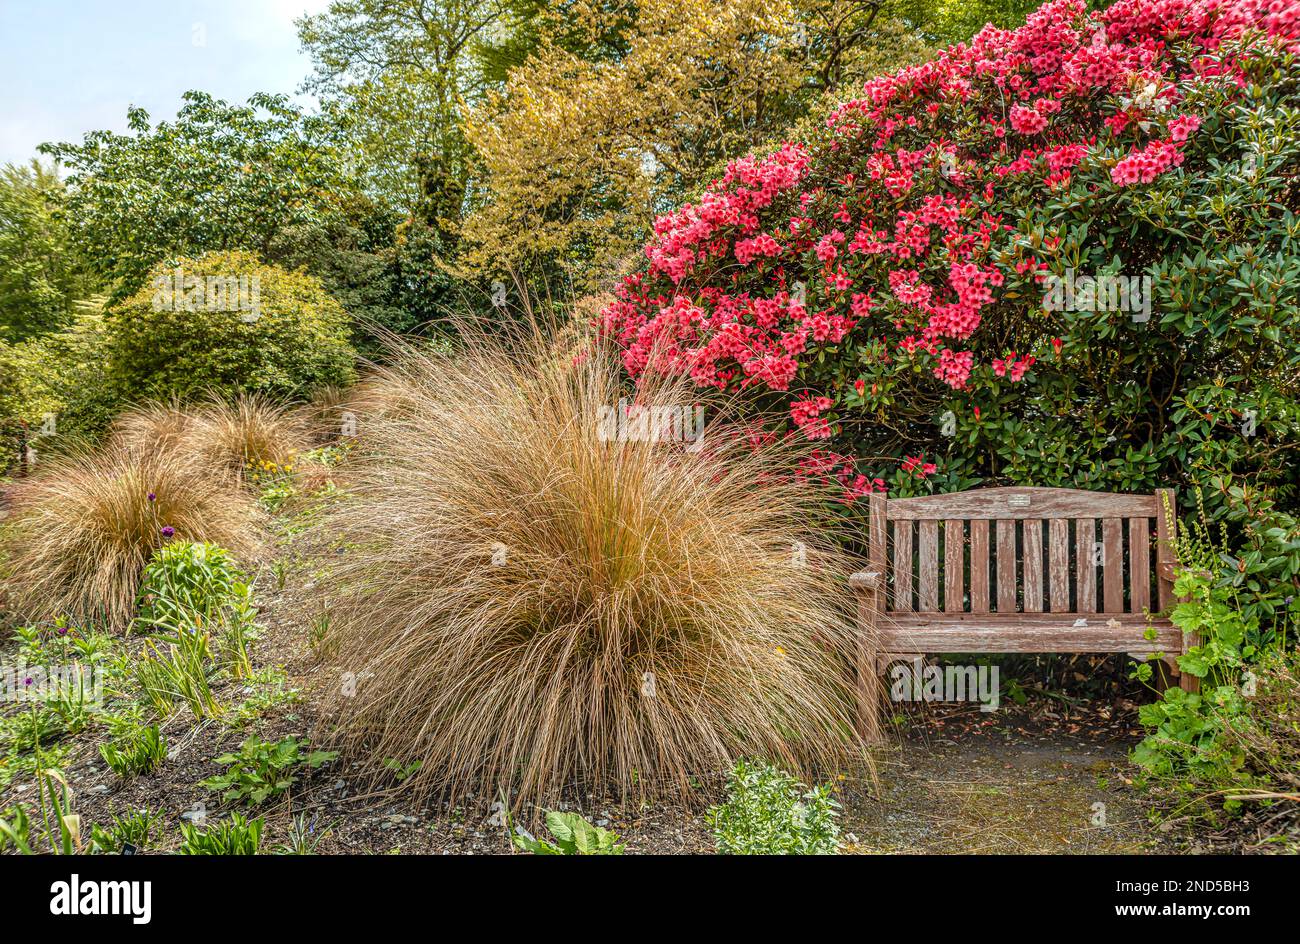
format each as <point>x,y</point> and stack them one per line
<point>885,242</point>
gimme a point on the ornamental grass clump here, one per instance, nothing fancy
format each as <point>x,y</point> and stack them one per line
<point>529,594</point>
<point>153,427</point>
<point>248,431</point>
<point>85,526</point>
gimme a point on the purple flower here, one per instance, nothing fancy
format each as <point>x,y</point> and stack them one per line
<point>28,680</point>
<point>152,496</point>
<point>63,630</point>
<point>168,531</point>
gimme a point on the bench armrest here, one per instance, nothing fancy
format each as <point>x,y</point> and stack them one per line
<point>866,580</point>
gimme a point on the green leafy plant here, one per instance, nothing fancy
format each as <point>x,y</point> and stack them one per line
<point>136,752</point>
<point>62,827</point>
<point>260,770</point>
<point>303,836</point>
<point>1241,606</point>
<point>35,728</point>
<point>134,828</point>
<point>573,835</point>
<point>178,667</point>
<point>266,688</point>
<point>233,836</point>
<point>193,586</point>
<point>402,771</point>
<point>16,831</point>
<point>73,700</point>
<point>769,812</point>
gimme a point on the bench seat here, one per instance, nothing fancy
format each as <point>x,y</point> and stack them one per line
<point>1027,632</point>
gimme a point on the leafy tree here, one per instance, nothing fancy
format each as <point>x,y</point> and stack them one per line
<point>620,111</point>
<point>40,275</point>
<point>955,21</point>
<point>219,177</point>
<point>382,269</point>
<point>401,70</point>
<point>60,374</point>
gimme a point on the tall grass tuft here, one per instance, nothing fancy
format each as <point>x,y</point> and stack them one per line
<point>248,431</point>
<point>521,603</point>
<point>82,530</point>
<point>153,427</point>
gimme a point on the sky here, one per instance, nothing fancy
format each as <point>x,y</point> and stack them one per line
<point>72,66</point>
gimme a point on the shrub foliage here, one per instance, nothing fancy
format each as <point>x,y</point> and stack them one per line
<point>895,285</point>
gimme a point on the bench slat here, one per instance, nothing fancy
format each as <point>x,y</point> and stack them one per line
<point>1139,555</point>
<point>1008,503</point>
<point>979,566</point>
<point>903,566</point>
<point>927,582</point>
<point>1085,543</point>
<point>1033,564</point>
<point>954,565</point>
<point>1058,564</point>
<point>1112,565</point>
<point>1006,566</point>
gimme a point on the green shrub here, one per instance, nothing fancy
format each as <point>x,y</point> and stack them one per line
<point>59,380</point>
<point>234,836</point>
<point>283,336</point>
<point>768,812</point>
<point>1242,604</point>
<point>260,770</point>
<point>573,835</point>
<point>884,285</point>
<point>52,389</point>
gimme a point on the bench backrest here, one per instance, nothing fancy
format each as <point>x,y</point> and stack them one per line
<point>1024,550</point>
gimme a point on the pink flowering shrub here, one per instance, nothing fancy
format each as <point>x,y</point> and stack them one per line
<point>1063,255</point>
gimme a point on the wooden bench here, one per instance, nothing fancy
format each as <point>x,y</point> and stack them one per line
<point>1015,570</point>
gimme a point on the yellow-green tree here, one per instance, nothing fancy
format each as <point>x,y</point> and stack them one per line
<point>578,152</point>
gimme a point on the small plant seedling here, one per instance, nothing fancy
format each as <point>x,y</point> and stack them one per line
<point>260,770</point>
<point>573,835</point>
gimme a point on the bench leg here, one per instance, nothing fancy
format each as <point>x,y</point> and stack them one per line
<point>1187,681</point>
<point>868,696</point>
<point>1163,673</point>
